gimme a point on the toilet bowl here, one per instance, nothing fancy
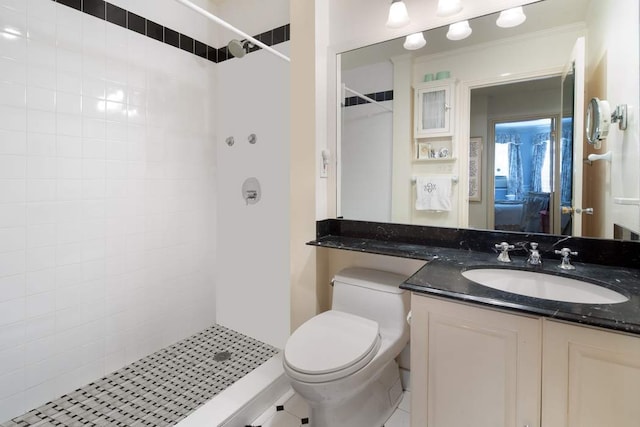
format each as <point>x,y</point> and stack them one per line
<point>342,361</point>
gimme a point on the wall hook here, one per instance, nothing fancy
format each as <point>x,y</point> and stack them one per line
<point>593,157</point>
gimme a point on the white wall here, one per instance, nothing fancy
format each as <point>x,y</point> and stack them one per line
<point>253,241</point>
<point>366,147</point>
<point>608,36</point>
<point>253,246</point>
<point>106,217</point>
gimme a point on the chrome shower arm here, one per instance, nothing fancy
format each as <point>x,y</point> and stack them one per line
<point>230,27</point>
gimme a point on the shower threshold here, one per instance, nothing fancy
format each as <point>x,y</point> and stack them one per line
<point>214,378</point>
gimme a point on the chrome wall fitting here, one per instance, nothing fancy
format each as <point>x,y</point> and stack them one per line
<point>251,192</point>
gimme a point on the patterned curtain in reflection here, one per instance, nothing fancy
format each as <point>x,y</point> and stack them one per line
<point>540,142</point>
<point>566,166</point>
<point>515,181</point>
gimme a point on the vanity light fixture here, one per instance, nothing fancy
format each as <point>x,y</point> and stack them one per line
<point>459,30</point>
<point>511,17</point>
<point>448,7</point>
<point>398,15</point>
<point>414,41</point>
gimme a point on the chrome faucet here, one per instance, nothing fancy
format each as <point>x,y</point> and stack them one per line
<point>566,262</point>
<point>504,249</point>
<point>534,255</point>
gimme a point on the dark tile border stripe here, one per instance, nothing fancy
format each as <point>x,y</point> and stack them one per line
<point>386,95</point>
<point>139,24</point>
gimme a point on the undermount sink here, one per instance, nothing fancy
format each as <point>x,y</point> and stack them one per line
<point>544,286</point>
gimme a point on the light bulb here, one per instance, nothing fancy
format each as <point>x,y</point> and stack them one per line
<point>398,15</point>
<point>459,30</point>
<point>511,17</point>
<point>414,41</point>
<point>448,7</point>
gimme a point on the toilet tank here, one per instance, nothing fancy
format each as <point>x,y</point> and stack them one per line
<point>373,294</point>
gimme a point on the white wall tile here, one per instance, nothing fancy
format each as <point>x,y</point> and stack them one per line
<point>41,213</point>
<point>40,281</point>
<point>40,9</point>
<point>39,327</point>
<point>12,70</point>
<point>41,190</point>
<point>41,235</point>
<point>12,311</point>
<point>12,360</point>
<point>69,81</point>
<point>11,383</point>
<point>69,168</point>
<point>78,192</point>
<point>40,54</point>
<point>41,98</point>
<point>68,125</point>
<point>12,263</point>
<point>68,103</point>
<point>13,94</point>
<point>40,304</point>
<point>12,239</point>
<point>41,121</point>
<point>40,76</point>
<point>12,287</point>
<point>40,144</point>
<point>40,258</point>
<point>13,119</point>
<point>69,189</point>
<point>12,142</point>
<point>39,349</point>
<point>42,167</point>
<point>12,167</point>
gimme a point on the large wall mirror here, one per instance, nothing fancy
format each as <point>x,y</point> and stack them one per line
<point>487,132</point>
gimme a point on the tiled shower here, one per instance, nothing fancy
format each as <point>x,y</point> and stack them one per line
<point>111,194</point>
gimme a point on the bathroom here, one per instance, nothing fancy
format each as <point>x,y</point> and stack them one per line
<point>149,211</point>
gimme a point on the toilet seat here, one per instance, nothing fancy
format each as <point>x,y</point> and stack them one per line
<point>331,345</point>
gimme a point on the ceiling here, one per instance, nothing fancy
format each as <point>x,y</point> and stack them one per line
<point>540,16</point>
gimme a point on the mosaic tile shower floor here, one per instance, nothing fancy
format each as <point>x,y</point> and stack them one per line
<point>160,389</point>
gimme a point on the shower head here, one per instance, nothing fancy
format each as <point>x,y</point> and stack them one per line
<point>239,48</point>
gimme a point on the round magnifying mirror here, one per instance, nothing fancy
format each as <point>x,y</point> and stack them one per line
<point>597,120</point>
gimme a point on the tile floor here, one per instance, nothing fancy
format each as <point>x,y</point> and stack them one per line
<point>160,389</point>
<point>291,411</point>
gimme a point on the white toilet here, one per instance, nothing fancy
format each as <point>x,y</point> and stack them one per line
<point>342,361</point>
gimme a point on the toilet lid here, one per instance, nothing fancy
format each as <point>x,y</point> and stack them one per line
<point>330,342</point>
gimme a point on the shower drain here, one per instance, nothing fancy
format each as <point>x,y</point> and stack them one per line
<point>221,356</point>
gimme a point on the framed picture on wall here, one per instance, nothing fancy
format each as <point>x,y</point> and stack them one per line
<point>424,151</point>
<point>475,169</point>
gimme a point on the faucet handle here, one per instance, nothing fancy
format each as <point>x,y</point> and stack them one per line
<point>504,247</point>
<point>534,255</point>
<point>566,261</point>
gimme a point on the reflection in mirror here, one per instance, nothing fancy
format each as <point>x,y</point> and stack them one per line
<point>410,163</point>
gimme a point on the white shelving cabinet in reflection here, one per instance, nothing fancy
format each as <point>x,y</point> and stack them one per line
<point>434,108</point>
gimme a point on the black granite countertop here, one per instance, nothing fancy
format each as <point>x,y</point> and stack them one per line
<point>442,276</point>
<point>448,252</point>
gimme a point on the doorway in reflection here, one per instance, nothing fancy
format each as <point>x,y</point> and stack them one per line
<point>524,158</point>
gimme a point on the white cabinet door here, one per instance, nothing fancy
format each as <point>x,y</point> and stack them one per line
<point>433,110</point>
<point>473,367</point>
<point>591,377</point>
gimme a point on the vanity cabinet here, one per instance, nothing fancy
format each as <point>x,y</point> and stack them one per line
<point>487,368</point>
<point>472,366</point>
<point>591,377</point>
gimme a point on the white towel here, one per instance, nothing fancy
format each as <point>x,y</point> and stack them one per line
<point>433,193</point>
